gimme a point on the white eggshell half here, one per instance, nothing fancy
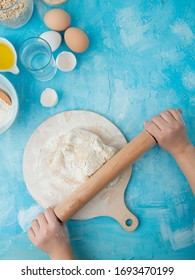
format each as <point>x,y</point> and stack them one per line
<point>66,61</point>
<point>49,97</point>
<point>53,38</point>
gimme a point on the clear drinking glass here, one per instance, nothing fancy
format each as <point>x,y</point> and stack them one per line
<point>15,13</point>
<point>36,56</point>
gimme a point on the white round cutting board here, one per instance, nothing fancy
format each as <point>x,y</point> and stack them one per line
<point>108,202</point>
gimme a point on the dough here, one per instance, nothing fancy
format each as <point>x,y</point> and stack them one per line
<point>70,160</point>
<point>78,155</point>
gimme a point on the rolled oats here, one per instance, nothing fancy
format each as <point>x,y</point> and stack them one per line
<point>12,9</point>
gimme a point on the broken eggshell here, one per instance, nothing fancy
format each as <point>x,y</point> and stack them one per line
<point>53,38</point>
<point>49,97</point>
<point>66,61</point>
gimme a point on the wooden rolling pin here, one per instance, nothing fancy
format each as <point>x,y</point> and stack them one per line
<point>106,174</point>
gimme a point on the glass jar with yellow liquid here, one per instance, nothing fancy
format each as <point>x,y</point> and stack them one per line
<point>8,57</point>
<point>15,13</point>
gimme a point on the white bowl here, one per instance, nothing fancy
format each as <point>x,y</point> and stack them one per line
<point>8,88</point>
<point>66,61</point>
<point>49,4</point>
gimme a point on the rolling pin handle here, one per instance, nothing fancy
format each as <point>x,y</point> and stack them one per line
<point>179,110</point>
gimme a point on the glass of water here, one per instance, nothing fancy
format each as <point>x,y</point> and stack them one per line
<point>36,56</point>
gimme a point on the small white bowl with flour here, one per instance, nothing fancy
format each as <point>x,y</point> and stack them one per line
<point>8,113</point>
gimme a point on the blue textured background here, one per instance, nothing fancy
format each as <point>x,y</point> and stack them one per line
<point>140,62</point>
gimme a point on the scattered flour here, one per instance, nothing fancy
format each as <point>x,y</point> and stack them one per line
<point>26,216</point>
<point>6,113</point>
<point>183,30</point>
<point>188,80</point>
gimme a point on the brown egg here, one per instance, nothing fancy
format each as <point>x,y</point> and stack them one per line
<point>57,19</point>
<point>76,40</point>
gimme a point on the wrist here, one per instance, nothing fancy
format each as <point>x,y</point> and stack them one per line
<point>183,151</point>
<point>63,252</point>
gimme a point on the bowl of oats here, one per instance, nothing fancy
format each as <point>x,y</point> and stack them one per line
<point>15,13</point>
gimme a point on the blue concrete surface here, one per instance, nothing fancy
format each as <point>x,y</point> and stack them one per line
<point>140,62</point>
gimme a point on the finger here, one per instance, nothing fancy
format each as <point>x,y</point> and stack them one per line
<point>153,129</point>
<point>50,216</point>
<point>42,220</point>
<point>167,116</point>
<point>31,234</point>
<point>35,226</point>
<point>151,122</point>
<point>180,110</point>
<point>176,114</point>
<point>159,121</point>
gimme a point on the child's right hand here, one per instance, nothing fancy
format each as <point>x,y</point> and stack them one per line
<point>169,130</point>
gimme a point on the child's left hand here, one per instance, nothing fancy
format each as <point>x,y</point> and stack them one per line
<point>50,236</point>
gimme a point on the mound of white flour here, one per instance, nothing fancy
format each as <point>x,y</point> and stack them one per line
<point>6,113</point>
<point>78,155</point>
<point>65,161</point>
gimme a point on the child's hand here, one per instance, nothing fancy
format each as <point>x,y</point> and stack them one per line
<point>169,130</point>
<point>50,236</point>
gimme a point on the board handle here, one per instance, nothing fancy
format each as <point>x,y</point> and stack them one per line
<point>126,219</point>
<point>106,174</point>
